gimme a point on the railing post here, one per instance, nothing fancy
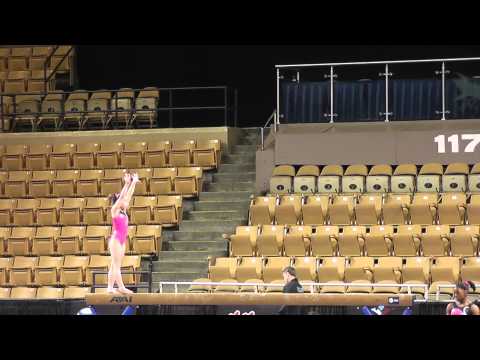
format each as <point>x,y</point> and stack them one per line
<point>170,111</point>
<point>443,72</point>
<point>261,137</point>
<point>331,76</point>
<point>387,75</point>
<point>278,94</point>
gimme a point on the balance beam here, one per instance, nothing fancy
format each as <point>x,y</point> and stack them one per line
<point>251,299</point>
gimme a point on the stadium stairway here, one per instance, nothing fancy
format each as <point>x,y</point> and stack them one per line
<point>222,205</point>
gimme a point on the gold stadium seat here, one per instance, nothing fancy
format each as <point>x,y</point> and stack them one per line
<point>13,158</point>
<point>423,209</point>
<point>95,239</point>
<point>341,211</point>
<point>406,240</point>
<point>19,241</point>
<point>196,288</point>
<point>3,180</point>
<point>132,230</point>
<point>98,114</point>
<point>353,180</point>
<point>306,268</point>
<point>122,109</point>
<point>289,210</point>
<point>455,177</point>
<point>162,180</point>
<point>403,179</point>
<point>249,268</point>
<point>227,288</point>
<point>73,270</point>
<point>378,241</point>
<point>270,240</point>
<point>222,268</point>
<point>378,179</point>
<point>207,154</point>
<point>444,271</point>
<point>143,186</point>
<point>112,181</point>
<point>47,211</point>
<point>48,292</point>
<point>75,292</point>
<point>244,241</point>
<point>132,155</point>
<point>84,156</point>
<point>395,208</point>
<point>428,179</point>
<point>61,156</point>
<point>387,270</point>
<point>88,183</point>
<point>464,240</point>
<point>71,210</point>
<point>45,240</point>
<point>297,241</point>
<point>168,211</point>
<point>37,156</point>
<point>331,271</point>
<point>141,211</point>
<point>368,211</point>
<point>17,184</point>
<point>28,111</point>
<point>24,213</point>
<point>24,293</point>
<point>156,153</point>
<point>5,264</point>
<point>451,209</point>
<point>21,272</point>
<point>435,240</point>
<point>262,210</point>
<point>131,263</point>
<point>4,234</point>
<point>22,74</point>
<point>146,105</point>
<point>281,181</point>
<point>21,51</point>
<point>6,208</point>
<point>4,291</point>
<point>324,241</point>
<point>14,86</point>
<point>470,270</point>
<point>40,184</point>
<point>359,271</point>
<point>314,210</point>
<point>188,181</point>
<point>47,271</point>
<point>97,263</point>
<point>181,153</point>
<point>273,268</point>
<point>474,178</point>
<point>75,109</point>
<point>35,86</point>
<point>18,62</point>
<point>70,239</point>
<point>305,180</point>
<point>329,179</point>
<point>473,209</point>
<point>351,241</point>
<point>94,212</point>
<point>109,154</point>
<point>147,239</point>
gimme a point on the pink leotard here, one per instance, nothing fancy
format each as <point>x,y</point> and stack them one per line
<point>120,228</point>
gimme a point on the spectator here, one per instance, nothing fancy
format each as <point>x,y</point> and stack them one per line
<point>291,286</point>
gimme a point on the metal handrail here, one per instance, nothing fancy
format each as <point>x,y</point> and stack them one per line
<point>273,117</point>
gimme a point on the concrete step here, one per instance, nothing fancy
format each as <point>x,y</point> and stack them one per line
<point>190,255</point>
<point>237,177</point>
<point>248,131</point>
<point>230,168</point>
<point>245,148</point>
<point>222,205</point>
<point>177,276</point>
<point>211,246</point>
<point>232,186</point>
<point>226,195</point>
<point>226,226</point>
<point>173,236</point>
<point>215,215</point>
<point>248,158</point>
<point>198,265</point>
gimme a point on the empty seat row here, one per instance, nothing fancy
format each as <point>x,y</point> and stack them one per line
<point>62,271</point>
<point>378,240</point>
<point>202,153</point>
<point>44,292</point>
<point>62,183</point>
<point>163,209</point>
<point>23,58</point>
<point>406,178</point>
<point>334,272</point>
<point>74,240</point>
<point>366,209</point>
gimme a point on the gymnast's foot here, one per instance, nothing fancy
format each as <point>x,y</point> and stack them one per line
<point>113,291</point>
<point>125,291</point>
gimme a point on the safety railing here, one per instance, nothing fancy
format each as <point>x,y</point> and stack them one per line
<point>263,130</point>
<point>54,71</point>
<point>387,74</point>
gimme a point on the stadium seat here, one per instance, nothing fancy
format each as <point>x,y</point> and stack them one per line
<point>305,181</point>
<point>17,184</point>
<point>340,212</point>
<point>359,271</point>
<point>329,179</point>
<point>37,156</point>
<point>84,156</point>
<point>21,272</point>
<point>181,153</point>
<point>143,186</point>
<point>168,211</point>
<point>24,213</point>
<point>473,209</point>
<point>95,240</point>
<point>395,209</point>
<point>464,240</point>
<point>353,180</point>
<point>75,292</point>
<point>423,209</point>
<point>132,155</point>
<point>21,51</point>
<point>4,234</point>
<point>428,179</point>
<point>6,207</point>
<point>162,180</point>
<point>222,268</point>
<point>297,241</point>
<point>281,181</point>
<point>22,292</point>
<point>445,270</point>
<point>75,110</point>
<point>378,179</point>
<point>73,270</point>
<point>306,269</point>
<point>65,183</point>
<point>70,239</point>
<point>47,212</point>
<point>368,211</point>
<point>474,178</point>
<point>122,109</point>
<point>331,271</point>
<point>98,114</point>
<point>314,210</point>
<point>455,178</point>
<point>19,241</point>
<point>270,240</point>
<point>387,270</point>
<point>61,156</point>
<point>451,209</point>
<point>141,211</point>
<point>378,241</point>
<point>155,155</point>
<point>130,263</point>
<point>147,240</point>
<point>88,183</point>
<point>188,181</point>
<point>273,269</point>
<point>47,271</point>
<point>200,288</point>
<point>207,154</point>
<point>470,270</point>
<point>289,210</point>
<point>109,154</point>
<point>97,263</point>
<point>40,185</point>
<point>45,240</point>
<point>27,112</point>
<point>48,292</point>
<point>13,158</point>
<point>4,291</point>
<point>435,240</point>
<point>94,211</point>
<point>403,179</point>
<point>249,268</point>
<point>112,181</point>
<point>71,210</point>
<point>324,241</point>
<point>351,241</point>
<point>262,210</point>
<point>244,241</point>
<point>406,241</point>
<point>146,105</point>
